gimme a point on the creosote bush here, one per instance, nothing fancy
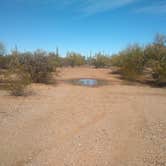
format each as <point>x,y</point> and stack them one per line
<point>17,83</point>
<point>17,78</point>
<point>156,59</point>
<point>101,60</point>
<point>74,59</point>
<point>133,63</point>
<point>134,60</point>
<point>39,66</point>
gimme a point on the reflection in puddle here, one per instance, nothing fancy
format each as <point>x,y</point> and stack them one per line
<point>89,82</point>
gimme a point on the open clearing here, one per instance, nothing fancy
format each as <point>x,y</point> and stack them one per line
<point>67,125</point>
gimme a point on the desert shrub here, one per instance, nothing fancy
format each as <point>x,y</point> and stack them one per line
<point>17,82</point>
<point>159,72</point>
<point>117,60</point>
<point>55,60</point>
<point>156,59</point>
<point>4,62</point>
<point>74,59</point>
<point>17,78</point>
<point>38,65</point>
<point>4,59</point>
<point>131,62</point>
<point>90,60</point>
<point>101,60</point>
<point>2,49</point>
<point>134,60</point>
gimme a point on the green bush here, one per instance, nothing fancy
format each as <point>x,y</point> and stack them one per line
<point>101,61</point>
<point>156,59</point>
<point>55,60</point>
<point>116,60</point>
<point>131,62</point>
<point>135,59</point>
<point>74,59</point>
<point>4,62</point>
<point>38,65</point>
<point>17,82</point>
<point>17,78</point>
<point>2,49</point>
<point>4,59</point>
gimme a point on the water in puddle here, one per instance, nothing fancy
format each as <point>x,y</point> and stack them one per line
<point>88,82</point>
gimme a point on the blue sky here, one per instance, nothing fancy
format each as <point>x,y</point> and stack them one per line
<point>80,25</point>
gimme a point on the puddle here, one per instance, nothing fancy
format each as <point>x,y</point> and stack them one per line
<point>89,82</point>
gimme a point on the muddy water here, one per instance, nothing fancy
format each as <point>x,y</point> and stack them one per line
<point>88,82</point>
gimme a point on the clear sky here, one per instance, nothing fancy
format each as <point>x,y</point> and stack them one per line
<point>80,25</point>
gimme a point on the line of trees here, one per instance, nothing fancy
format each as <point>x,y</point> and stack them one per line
<point>135,61</point>
<point>22,68</point>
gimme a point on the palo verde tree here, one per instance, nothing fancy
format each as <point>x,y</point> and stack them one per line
<point>101,60</point>
<point>155,55</point>
<point>74,59</point>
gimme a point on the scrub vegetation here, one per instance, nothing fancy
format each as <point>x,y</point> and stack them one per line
<point>136,61</point>
<point>19,69</point>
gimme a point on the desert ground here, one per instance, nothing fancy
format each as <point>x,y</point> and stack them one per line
<point>119,124</point>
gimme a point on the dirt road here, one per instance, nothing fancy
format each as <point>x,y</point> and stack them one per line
<point>67,125</point>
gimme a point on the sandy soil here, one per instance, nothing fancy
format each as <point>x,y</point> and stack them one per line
<point>67,125</point>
